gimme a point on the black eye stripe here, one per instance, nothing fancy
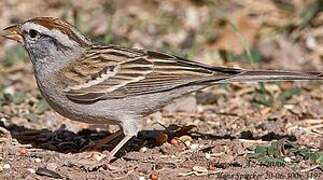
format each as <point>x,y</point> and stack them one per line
<point>34,34</point>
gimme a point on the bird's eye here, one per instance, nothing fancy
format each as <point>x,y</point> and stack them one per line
<point>33,33</point>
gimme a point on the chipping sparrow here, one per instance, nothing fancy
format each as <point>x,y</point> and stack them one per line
<point>108,84</point>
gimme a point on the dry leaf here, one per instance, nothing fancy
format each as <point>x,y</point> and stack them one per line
<point>239,35</point>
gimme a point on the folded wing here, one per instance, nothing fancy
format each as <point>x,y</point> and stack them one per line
<point>111,72</point>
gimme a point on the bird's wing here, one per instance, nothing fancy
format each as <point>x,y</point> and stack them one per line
<point>112,72</point>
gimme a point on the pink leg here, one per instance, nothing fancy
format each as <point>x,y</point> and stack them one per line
<point>120,145</point>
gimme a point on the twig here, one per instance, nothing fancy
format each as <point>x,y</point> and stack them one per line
<point>5,132</point>
<point>198,174</point>
<point>313,121</point>
<point>254,141</point>
<point>126,175</point>
<point>314,127</point>
<point>197,115</point>
<point>310,168</point>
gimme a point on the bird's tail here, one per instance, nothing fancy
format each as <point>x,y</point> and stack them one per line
<point>273,75</point>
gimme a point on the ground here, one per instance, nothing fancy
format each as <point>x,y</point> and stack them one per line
<point>229,131</point>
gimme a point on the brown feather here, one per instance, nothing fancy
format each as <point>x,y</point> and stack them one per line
<point>63,26</point>
<point>106,72</point>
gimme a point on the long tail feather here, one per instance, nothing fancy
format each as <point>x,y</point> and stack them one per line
<point>271,75</point>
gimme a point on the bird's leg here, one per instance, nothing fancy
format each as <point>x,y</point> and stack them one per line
<point>120,145</point>
<point>130,128</point>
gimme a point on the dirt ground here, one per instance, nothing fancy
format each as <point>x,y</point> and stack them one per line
<point>230,131</point>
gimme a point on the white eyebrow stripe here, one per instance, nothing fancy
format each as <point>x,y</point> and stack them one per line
<point>57,34</point>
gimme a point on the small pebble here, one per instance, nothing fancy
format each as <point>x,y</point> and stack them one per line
<point>174,142</point>
<point>6,166</point>
<point>23,151</point>
<point>98,156</point>
<point>5,122</point>
<point>31,170</point>
<point>186,138</point>
<point>287,159</point>
<point>9,90</point>
<point>194,147</point>
<point>51,166</point>
<point>142,178</point>
<point>311,42</point>
<point>154,175</point>
<point>48,173</point>
<point>200,169</point>
<point>37,160</point>
<point>3,119</point>
<point>208,156</point>
<point>187,143</point>
<point>143,149</point>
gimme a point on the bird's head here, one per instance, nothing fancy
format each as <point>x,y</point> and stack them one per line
<point>47,39</point>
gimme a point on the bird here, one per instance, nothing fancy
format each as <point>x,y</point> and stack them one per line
<point>97,83</point>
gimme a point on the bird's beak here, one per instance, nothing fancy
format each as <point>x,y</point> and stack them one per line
<point>13,33</point>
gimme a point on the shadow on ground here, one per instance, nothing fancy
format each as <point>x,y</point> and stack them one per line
<point>66,141</point>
